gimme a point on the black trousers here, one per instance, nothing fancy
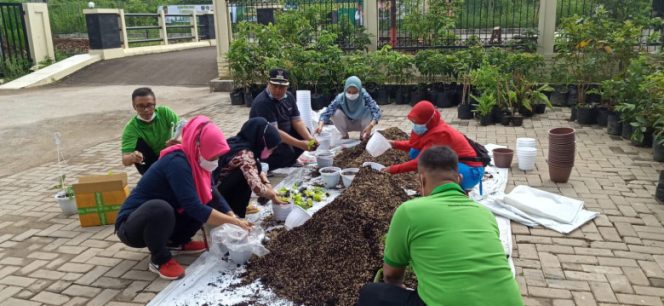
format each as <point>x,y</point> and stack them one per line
<point>381,294</point>
<point>157,225</point>
<point>149,157</point>
<point>285,155</point>
<point>236,191</point>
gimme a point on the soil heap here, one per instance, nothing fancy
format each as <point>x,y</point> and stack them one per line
<point>328,259</point>
<point>356,156</point>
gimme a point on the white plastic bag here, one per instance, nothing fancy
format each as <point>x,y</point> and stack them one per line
<point>238,242</point>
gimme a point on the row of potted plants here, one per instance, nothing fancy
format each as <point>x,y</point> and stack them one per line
<point>615,81</point>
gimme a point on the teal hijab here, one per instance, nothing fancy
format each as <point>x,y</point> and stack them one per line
<point>354,109</point>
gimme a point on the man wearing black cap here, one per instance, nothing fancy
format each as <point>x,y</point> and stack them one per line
<point>278,106</point>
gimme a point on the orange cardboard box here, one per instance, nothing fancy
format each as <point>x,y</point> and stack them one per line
<point>99,197</point>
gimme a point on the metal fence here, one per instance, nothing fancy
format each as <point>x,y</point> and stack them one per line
<point>343,17</point>
<point>14,47</point>
<point>147,28</point>
<point>491,22</point>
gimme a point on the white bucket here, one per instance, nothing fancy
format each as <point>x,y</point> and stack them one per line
<point>67,205</point>
<point>297,217</point>
<point>331,176</point>
<point>378,145</point>
<point>281,211</point>
<point>348,175</point>
<point>324,159</point>
<point>526,143</point>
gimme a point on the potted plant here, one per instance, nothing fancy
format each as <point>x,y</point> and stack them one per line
<point>485,104</point>
<point>65,196</point>
<point>654,87</point>
<point>468,60</point>
<point>512,101</point>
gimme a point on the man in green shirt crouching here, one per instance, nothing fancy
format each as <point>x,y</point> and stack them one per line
<point>451,243</point>
<point>147,133</point>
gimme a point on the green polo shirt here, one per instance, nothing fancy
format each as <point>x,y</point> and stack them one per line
<point>453,245</point>
<point>155,133</point>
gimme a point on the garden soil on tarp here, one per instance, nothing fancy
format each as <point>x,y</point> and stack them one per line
<point>328,259</point>
<point>356,156</point>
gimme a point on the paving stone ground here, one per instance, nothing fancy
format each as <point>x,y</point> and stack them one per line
<point>47,258</point>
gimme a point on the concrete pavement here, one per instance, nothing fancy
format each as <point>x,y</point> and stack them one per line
<point>617,259</point>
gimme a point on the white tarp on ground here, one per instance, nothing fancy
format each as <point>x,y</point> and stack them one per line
<point>213,280</point>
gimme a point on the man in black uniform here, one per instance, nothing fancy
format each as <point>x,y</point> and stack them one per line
<point>279,108</point>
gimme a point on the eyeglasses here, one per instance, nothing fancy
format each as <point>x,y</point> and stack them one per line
<point>144,107</point>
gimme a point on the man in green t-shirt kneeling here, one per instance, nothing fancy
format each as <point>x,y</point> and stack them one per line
<point>147,133</point>
<point>451,243</point>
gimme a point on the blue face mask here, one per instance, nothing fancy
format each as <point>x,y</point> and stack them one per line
<point>419,129</point>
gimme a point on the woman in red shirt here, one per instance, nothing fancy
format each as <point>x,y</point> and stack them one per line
<point>429,129</point>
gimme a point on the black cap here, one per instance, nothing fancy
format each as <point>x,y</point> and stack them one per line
<point>279,76</point>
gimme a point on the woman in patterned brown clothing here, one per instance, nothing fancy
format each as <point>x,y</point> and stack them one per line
<point>239,171</point>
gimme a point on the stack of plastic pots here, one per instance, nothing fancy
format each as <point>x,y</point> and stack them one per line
<point>526,153</point>
<point>562,149</point>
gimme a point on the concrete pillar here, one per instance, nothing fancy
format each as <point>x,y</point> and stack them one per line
<point>546,28</point>
<point>38,28</point>
<point>371,22</point>
<point>123,25</point>
<point>104,32</point>
<point>223,35</point>
<point>162,23</point>
<point>194,25</point>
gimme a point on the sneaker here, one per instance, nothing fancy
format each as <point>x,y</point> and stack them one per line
<point>170,270</point>
<point>191,247</point>
<point>252,209</point>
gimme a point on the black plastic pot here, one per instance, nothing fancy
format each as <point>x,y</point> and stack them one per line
<point>465,111</point>
<point>573,114</point>
<point>486,120</point>
<point>659,193</point>
<point>602,116</point>
<point>237,97</point>
<point>318,101</point>
<point>256,90</point>
<point>614,126</point>
<point>658,151</point>
<point>517,120</point>
<point>402,95</point>
<point>627,130</point>
<point>506,120</point>
<point>559,96</point>
<point>525,112</point>
<point>417,94</point>
<point>646,142</point>
<point>248,99</point>
<point>572,95</point>
<point>497,114</point>
<point>586,115</point>
<point>539,108</point>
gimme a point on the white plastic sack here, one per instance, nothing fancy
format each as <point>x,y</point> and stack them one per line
<point>240,243</point>
<point>539,203</point>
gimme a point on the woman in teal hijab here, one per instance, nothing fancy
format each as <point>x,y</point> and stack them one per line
<point>353,110</point>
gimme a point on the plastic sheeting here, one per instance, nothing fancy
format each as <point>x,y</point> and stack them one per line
<point>213,280</point>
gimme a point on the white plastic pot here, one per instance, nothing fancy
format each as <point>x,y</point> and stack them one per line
<point>324,141</point>
<point>324,159</point>
<point>67,205</point>
<point>265,167</point>
<point>378,145</point>
<point>281,211</point>
<point>347,176</point>
<point>526,157</point>
<point>297,217</point>
<point>331,176</point>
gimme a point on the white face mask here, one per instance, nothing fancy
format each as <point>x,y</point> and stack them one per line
<point>206,164</point>
<point>148,120</point>
<point>352,97</point>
